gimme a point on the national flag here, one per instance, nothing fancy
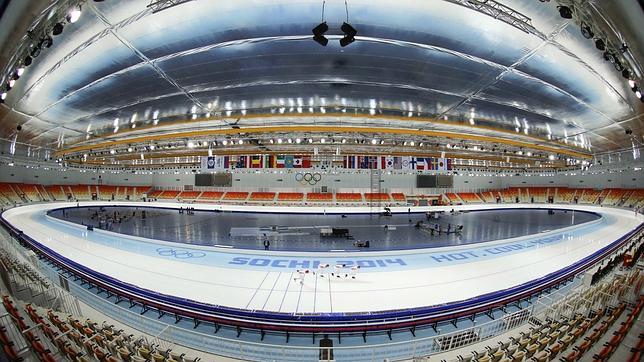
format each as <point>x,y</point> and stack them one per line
<point>306,161</point>
<point>420,163</point>
<point>297,161</point>
<point>364,162</point>
<point>397,163</point>
<point>350,162</point>
<point>280,161</point>
<point>256,161</point>
<point>442,164</point>
<point>288,161</point>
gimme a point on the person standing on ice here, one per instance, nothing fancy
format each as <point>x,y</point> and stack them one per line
<point>323,269</point>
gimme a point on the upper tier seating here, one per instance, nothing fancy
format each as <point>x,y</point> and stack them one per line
<point>290,196</point>
<point>237,196</point>
<point>262,196</point>
<point>348,197</point>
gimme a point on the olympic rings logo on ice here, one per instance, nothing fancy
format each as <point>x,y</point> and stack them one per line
<point>180,254</point>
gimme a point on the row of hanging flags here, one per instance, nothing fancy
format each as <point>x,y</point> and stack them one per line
<point>349,162</point>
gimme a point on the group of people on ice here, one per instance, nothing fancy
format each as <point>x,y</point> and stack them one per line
<point>325,271</point>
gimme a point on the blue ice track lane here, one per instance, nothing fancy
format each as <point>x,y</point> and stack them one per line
<point>369,262</point>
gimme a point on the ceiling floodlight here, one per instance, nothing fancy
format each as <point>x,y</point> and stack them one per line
<point>349,34</point>
<point>57,29</point>
<point>318,34</point>
<point>565,12</point>
<point>587,31</point>
<point>600,44</point>
<point>27,61</point>
<point>74,14</point>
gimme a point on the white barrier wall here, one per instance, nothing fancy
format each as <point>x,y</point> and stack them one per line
<point>284,180</point>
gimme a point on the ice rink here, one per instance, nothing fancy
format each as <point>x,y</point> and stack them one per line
<point>267,281</point>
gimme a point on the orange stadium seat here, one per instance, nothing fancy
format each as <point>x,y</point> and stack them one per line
<point>262,196</point>
<point>398,196</point>
<point>188,195</point>
<point>470,197</point>
<point>453,198</point>
<point>169,194</point>
<point>368,196</point>
<point>319,197</point>
<point>348,197</point>
<point>290,196</point>
<point>210,196</point>
<point>236,195</point>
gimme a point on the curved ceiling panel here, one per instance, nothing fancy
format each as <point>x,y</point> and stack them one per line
<point>434,58</point>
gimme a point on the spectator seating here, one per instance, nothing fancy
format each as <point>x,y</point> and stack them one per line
<point>106,192</point>
<point>235,196</point>
<point>398,196</point>
<point>564,195</point>
<point>262,196</point>
<point>7,191</point>
<point>488,197</point>
<point>635,199</point>
<point>319,197</point>
<point>154,194</point>
<point>189,195</point>
<point>376,197</point>
<point>348,197</point>
<point>30,192</point>
<point>210,196</point>
<point>537,194</point>
<point>81,192</point>
<point>169,194</point>
<point>470,197</point>
<point>290,196</point>
<point>453,198</point>
<point>509,195</point>
<point>589,196</point>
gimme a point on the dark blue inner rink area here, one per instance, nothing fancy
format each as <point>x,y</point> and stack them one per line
<point>302,232</point>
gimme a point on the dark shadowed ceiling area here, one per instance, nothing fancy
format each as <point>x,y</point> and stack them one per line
<point>421,65</point>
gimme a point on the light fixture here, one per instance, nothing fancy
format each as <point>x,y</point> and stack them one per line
<point>599,44</point>
<point>322,140</point>
<point>46,42</point>
<point>241,142</point>
<point>279,141</point>
<point>349,34</point>
<point>297,140</point>
<point>318,34</point>
<point>565,12</point>
<point>112,151</point>
<point>374,141</point>
<point>225,142</point>
<point>587,31</point>
<point>27,61</point>
<point>57,29</point>
<point>129,149</point>
<point>74,14</point>
<point>191,144</point>
<point>3,96</point>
